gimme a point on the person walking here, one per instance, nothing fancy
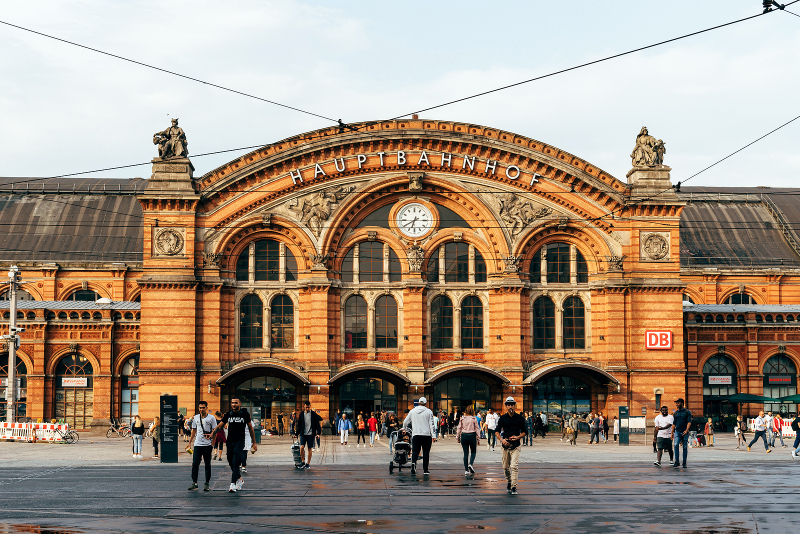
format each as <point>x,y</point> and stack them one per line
<point>663,427</point>
<point>594,425</point>
<point>777,428</point>
<point>760,426</point>
<point>468,434</point>
<point>545,423</point>
<point>309,426</point>
<point>239,422</point>
<point>422,434</point>
<point>443,424</point>
<point>574,425</point>
<point>491,425</point>
<point>768,423</point>
<point>292,419</point>
<point>202,426</point>
<point>344,427</point>
<point>709,432</point>
<point>616,429</point>
<point>529,423</point>
<point>391,427</point>
<point>510,429</point>
<point>562,425</point>
<point>372,426</point>
<point>181,423</point>
<point>605,427</point>
<point>280,424</point>
<point>361,427</point>
<point>155,433</point>
<point>137,431</point>
<point>219,438</point>
<point>682,422</point>
<point>739,429</point>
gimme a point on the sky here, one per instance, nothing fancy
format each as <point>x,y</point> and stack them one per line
<point>65,110</point>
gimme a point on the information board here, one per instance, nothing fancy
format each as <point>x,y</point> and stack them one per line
<point>623,426</point>
<point>169,429</point>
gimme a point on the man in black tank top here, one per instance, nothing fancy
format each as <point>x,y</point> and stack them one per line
<point>238,421</point>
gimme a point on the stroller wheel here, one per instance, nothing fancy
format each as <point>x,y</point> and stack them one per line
<point>391,467</point>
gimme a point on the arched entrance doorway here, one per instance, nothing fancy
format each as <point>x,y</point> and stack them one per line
<point>265,388</point>
<point>719,381</point>
<point>460,392</point>
<point>74,399</point>
<point>780,380</point>
<point>367,387</point>
<point>21,389</point>
<point>561,395</point>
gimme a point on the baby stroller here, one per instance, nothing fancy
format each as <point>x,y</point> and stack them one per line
<point>402,450</point>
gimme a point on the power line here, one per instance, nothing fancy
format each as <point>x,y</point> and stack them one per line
<point>167,71</point>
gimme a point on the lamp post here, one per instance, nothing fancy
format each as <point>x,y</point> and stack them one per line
<point>13,344</point>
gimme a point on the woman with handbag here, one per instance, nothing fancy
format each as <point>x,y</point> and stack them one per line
<point>709,432</point>
<point>739,430</point>
<point>468,435</point>
<point>219,438</point>
<point>362,431</point>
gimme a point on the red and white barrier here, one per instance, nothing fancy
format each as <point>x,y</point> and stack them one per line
<point>32,432</point>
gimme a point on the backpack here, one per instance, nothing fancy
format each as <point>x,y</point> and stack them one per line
<point>796,424</point>
<point>361,425</point>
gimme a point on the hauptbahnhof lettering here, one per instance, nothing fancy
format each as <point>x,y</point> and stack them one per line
<point>363,269</point>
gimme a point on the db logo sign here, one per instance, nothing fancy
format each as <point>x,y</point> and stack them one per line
<point>658,340</point>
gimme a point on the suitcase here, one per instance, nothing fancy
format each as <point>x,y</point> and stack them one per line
<point>296,453</point>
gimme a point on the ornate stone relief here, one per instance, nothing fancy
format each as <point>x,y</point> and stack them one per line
<point>516,212</point>
<point>415,181</point>
<point>654,246</point>
<point>168,241</point>
<point>614,262</point>
<point>211,259</point>
<point>315,208</point>
<point>415,255</point>
<point>512,264</point>
<point>319,261</point>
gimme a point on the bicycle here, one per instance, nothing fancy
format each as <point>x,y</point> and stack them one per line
<point>120,431</point>
<point>67,436</point>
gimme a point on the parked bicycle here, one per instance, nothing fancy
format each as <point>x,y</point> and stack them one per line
<point>118,430</point>
<point>67,436</point>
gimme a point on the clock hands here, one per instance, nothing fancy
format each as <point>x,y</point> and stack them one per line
<point>412,223</point>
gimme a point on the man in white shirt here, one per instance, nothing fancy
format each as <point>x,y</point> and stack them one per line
<point>663,424</point>
<point>491,424</point>
<point>423,434</point>
<point>768,422</point>
<point>202,426</point>
<point>760,426</point>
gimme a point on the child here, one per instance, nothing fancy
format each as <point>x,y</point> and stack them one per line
<point>709,432</point>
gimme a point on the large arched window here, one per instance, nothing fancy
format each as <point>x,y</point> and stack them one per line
<point>558,265</point>
<point>456,264</point>
<point>544,323</point>
<point>740,298</point>
<point>266,256</point>
<point>719,381</point>
<point>355,323</point>
<point>574,324</point>
<point>22,387</point>
<point>386,323</point>
<point>84,295</point>
<point>266,397</point>
<point>780,380</point>
<point>74,402</point>
<point>442,323</point>
<point>21,295</point>
<point>251,311</point>
<point>472,323</point>
<point>129,405</point>
<point>282,322</point>
<point>371,266</point>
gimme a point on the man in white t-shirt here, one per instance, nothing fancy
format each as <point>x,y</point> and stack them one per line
<point>663,424</point>
<point>202,426</point>
<point>491,424</point>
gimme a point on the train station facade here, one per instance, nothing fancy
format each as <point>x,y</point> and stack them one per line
<point>362,268</point>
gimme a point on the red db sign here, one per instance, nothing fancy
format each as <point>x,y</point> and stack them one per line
<point>658,340</point>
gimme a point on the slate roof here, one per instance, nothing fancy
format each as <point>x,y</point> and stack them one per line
<point>741,308</point>
<point>71,220</point>
<point>732,227</point>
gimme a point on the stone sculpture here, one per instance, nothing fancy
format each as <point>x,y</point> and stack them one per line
<point>648,152</point>
<point>171,142</point>
<point>319,260</point>
<point>518,214</point>
<point>316,208</point>
<point>415,256</point>
<point>512,263</point>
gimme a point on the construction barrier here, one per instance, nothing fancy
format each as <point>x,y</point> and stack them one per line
<point>32,432</point>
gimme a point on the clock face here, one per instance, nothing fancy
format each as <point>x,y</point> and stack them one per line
<point>414,220</point>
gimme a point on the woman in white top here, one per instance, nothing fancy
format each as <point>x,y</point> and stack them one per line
<point>469,435</point>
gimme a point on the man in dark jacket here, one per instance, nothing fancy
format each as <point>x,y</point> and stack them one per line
<point>307,427</point>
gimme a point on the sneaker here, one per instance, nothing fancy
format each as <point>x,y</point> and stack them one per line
<point>488,448</point>
<point>657,464</point>
<point>736,449</point>
<point>508,487</point>
<point>413,469</point>
<point>684,465</point>
<point>206,487</point>
<point>466,473</point>
<point>301,466</point>
<point>220,458</point>
<point>239,484</point>
<point>769,451</point>
<point>426,472</point>
<point>156,456</point>
<point>748,449</point>
<point>232,489</point>
<point>794,454</point>
<point>513,490</point>
<point>193,486</point>
<point>215,456</point>
<point>306,466</point>
<point>492,449</point>
<point>676,465</point>
<point>357,446</point>
<point>471,469</point>
<point>244,469</point>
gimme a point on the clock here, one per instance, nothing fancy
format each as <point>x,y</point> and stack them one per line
<point>414,219</point>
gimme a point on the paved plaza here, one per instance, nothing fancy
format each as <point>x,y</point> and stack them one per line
<point>97,487</point>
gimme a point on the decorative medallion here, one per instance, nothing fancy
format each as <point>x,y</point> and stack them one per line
<point>168,241</point>
<point>655,246</point>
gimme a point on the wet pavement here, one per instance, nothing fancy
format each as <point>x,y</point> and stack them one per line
<point>615,490</point>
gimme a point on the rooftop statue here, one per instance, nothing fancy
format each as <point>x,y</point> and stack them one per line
<point>648,152</point>
<point>171,142</point>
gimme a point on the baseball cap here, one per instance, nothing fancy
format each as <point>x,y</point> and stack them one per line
<point>510,400</point>
<point>423,400</point>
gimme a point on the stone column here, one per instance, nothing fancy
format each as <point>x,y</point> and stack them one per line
<point>573,264</point>
<point>356,261</point>
<point>457,328</point>
<point>441,265</point>
<point>386,262</point>
<point>471,264</point>
<point>267,328</point>
<point>282,263</point>
<point>251,263</point>
<point>544,266</point>
<point>371,329</point>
